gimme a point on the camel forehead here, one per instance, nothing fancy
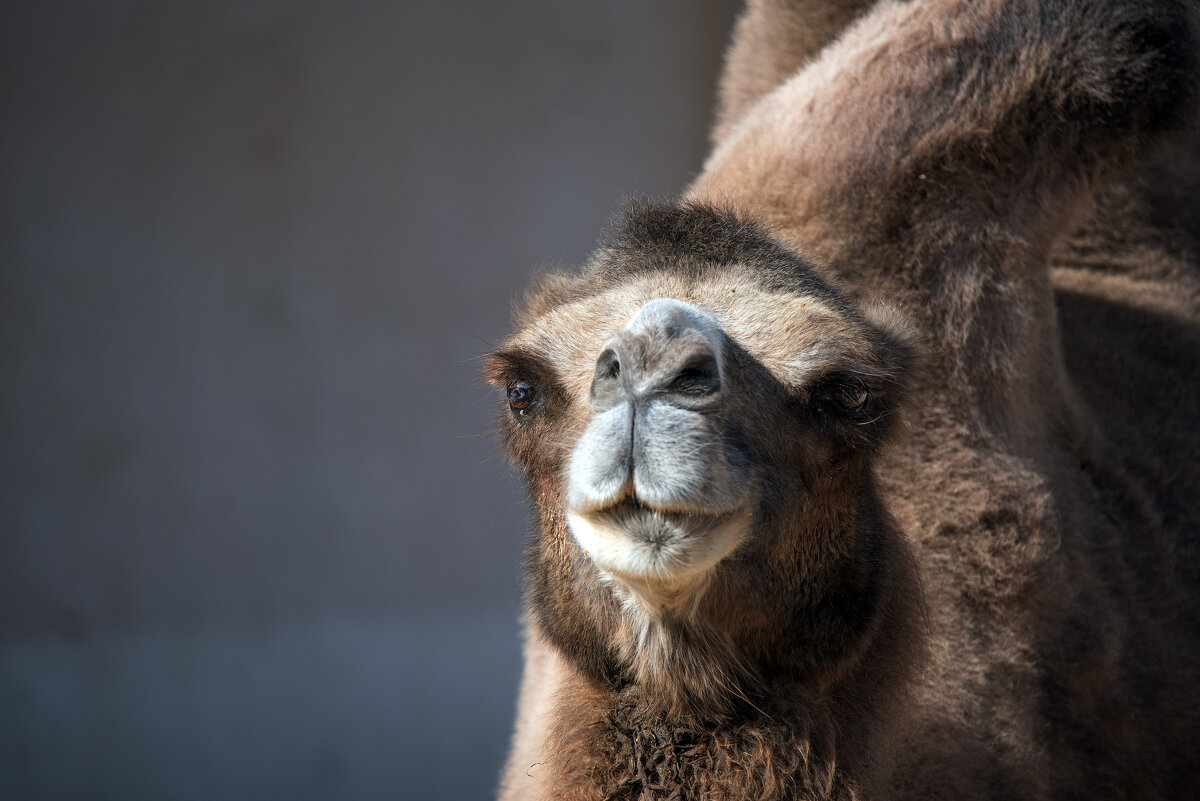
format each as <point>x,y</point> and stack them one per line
<point>790,334</point>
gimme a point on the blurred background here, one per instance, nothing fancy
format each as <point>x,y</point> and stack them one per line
<point>255,540</point>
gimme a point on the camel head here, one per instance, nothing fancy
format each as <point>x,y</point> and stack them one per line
<point>696,414</point>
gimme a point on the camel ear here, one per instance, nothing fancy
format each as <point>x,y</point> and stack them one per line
<point>903,345</point>
<point>906,351</point>
<point>892,321</point>
<point>546,291</point>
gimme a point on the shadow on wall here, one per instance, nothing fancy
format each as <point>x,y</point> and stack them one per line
<point>254,540</point>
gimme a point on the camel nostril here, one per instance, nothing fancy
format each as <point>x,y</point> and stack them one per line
<point>669,352</point>
<point>699,376</point>
<point>606,383</point>
<point>608,366</point>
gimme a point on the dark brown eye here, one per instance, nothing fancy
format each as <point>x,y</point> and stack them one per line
<point>520,395</point>
<point>852,397</point>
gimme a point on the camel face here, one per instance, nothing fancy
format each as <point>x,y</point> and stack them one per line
<point>681,421</point>
<point>664,481</point>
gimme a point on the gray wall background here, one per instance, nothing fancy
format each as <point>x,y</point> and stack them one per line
<point>255,541</point>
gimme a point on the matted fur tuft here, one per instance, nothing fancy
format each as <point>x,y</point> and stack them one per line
<point>696,238</point>
<point>643,757</point>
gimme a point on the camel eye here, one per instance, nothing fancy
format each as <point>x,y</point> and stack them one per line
<point>851,397</point>
<point>520,396</point>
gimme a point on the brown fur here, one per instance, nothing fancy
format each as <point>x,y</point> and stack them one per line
<point>1021,181</point>
<point>771,42</point>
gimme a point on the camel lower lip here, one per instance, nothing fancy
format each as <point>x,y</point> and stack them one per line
<point>656,528</point>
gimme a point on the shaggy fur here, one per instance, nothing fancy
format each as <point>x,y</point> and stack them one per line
<point>985,217</point>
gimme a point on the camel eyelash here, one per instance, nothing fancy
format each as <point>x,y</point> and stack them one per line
<point>844,391</point>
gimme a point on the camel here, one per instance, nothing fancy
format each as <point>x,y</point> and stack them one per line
<point>867,467</point>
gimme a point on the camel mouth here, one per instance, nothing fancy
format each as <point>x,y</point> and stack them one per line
<point>632,540</point>
<point>636,516</point>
